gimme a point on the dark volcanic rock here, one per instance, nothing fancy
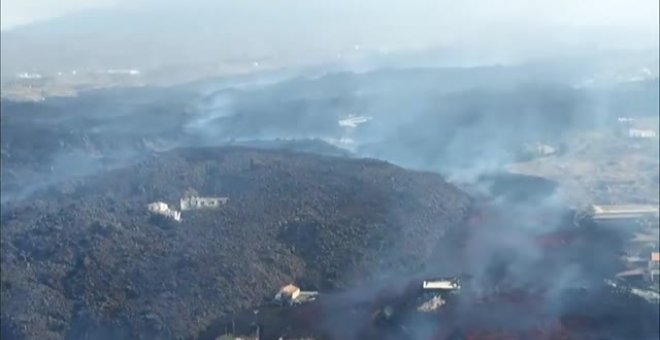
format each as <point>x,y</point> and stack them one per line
<point>86,260</point>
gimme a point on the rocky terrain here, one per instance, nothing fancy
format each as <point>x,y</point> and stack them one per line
<point>84,260</point>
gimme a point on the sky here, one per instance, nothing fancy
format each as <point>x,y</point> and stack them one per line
<point>21,12</point>
<point>637,14</point>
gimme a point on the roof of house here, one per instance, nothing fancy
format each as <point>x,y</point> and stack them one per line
<point>631,272</point>
<point>624,209</point>
<point>289,289</point>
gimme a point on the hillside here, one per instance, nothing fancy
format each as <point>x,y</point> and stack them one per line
<point>85,260</point>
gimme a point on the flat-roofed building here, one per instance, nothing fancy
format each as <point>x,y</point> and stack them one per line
<point>623,212</point>
<point>441,285</point>
<point>193,202</point>
<point>642,133</point>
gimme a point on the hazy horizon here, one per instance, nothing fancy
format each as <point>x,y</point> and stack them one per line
<point>173,42</point>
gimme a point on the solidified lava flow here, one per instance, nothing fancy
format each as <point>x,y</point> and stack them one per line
<point>95,262</point>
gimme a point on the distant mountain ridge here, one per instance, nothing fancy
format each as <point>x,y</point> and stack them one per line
<point>213,38</point>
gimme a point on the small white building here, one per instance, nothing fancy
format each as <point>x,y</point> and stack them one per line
<point>161,208</point>
<point>441,285</point>
<point>641,133</point>
<point>194,202</point>
<point>353,121</point>
<point>29,75</point>
<point>654,267</point>
<point>129,72</point>
<point>545,150</point>
<point>538,149</point>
